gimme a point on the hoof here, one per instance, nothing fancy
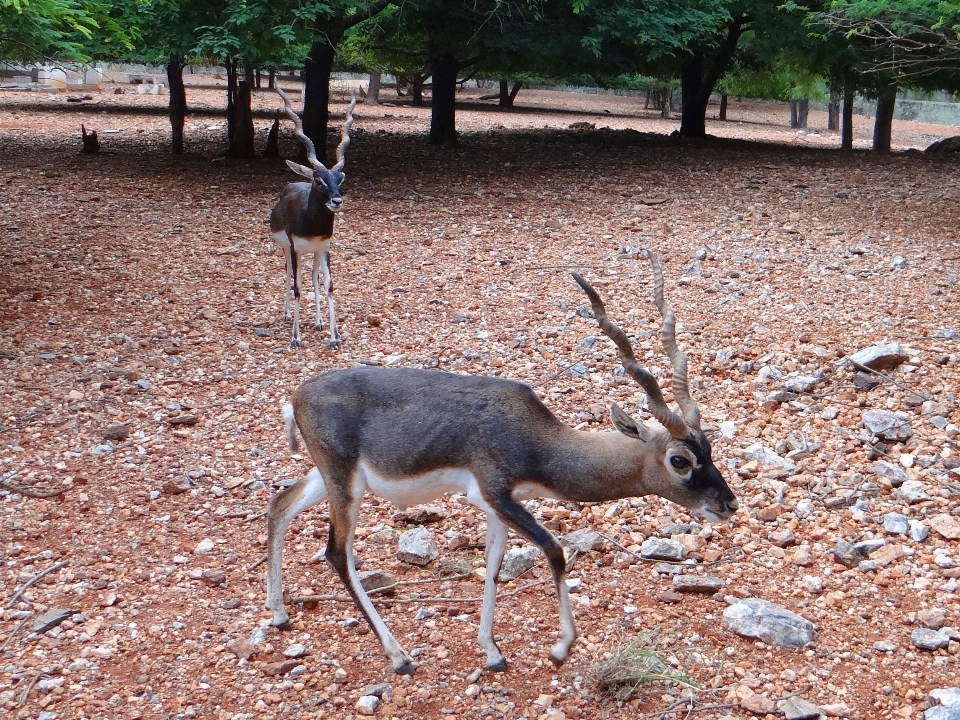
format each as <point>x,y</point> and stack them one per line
<point>499,666</point>
<point>318,326</point>
<point>334,344</point>
<point>557,661</point>
<point>405,668</point>
<point>284,626</point>
<point>296,343</point>
<point>287,318</point>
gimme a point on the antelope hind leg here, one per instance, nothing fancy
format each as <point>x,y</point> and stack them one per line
<point>283,507</point>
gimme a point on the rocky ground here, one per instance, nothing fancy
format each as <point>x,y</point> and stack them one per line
<point>144,365</point>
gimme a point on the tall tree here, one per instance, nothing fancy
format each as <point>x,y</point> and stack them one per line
<point>67,30</point>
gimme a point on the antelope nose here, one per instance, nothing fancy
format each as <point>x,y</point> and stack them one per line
<point>335,203</point>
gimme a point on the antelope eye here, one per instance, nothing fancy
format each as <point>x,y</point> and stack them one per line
<point>679,462</point>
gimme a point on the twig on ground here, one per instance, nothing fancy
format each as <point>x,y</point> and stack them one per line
<point>405,601</point>
<point>26,692</point>
<point>15,631</point>
<point>257,564</point>
<point>31,581</point>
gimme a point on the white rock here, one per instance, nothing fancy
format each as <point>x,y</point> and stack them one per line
<point>204,547</point>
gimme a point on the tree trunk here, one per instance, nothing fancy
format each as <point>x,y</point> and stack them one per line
<point>698,78</point>
<point>846,132</point>
<point>241,143</point>
<point>794,120</point>
<point>723,107</point>
<point>693,103</point>
<point>508,96</point>
<point>317,95</point>
<point>883,124</point>
<point>833,111</point>
<point>178,102</point>
<point>272,148</point>
<point>416,90</point>
<point>272,80</point>
<point>443,115</point>
<point>803,112</point>
<point>373,89</point>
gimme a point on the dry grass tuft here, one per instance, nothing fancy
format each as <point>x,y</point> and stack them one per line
<point>636,663</point>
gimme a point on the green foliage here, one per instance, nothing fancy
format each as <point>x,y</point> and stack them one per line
<point>67,30</point>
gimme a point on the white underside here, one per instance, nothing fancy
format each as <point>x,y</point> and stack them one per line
<point>303,245</point>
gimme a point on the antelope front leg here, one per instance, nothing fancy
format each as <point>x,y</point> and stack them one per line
<point>315,276</point>
<point>517,517</point>
<point>496,544</point>
<point>283,507</point>
<point>328,288</point>
<point>287,285</point>
<point>295,340</point>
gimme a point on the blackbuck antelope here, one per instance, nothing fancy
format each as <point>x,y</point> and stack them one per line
<point>410,435</point>
<point>302,222</point>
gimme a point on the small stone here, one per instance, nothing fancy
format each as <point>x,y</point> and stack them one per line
<point>380,690</point>
<point>697,584</point>
<point>774,625</point>
<point>517,561</point>
<point>372,580</point>
<point>896,524</point>
<point>889,472</point>
<point>117,433</point>
<point>846,554</point>
<point>840,710</point>
<point>422,515</point>
<point>888,425</point>
<point>662,549</point>
<point>583,540</point>
<point>865,381</point>
<point>758,704</point>
<point>865,547</point>
<point>281,667</point>
<point>932,618</point>
<point>367,704</point>
<point>911,492</point>
<point>297,650</point>
<point>884,356</point>
<point>945,525</point>
<point>926,639</point>
<point>782,538</point>
<point>796,708</point>
<point>185,420</point>
<point>802,556</point>
<point>801,383</point>
<point>884,646</point>
<point>812,584</point>
<point>417,547</point>
<point>204,547</point>
<point>213,577</point>
<point>887,554</point>
<point>918,531</point>
<point>669,597</point>
<point>50,619</point>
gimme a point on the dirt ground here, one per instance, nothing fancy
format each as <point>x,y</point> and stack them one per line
<point>140,290</point>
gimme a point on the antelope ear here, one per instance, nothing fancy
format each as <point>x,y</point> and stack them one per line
<point>300,169</point>
<point>626,424</point>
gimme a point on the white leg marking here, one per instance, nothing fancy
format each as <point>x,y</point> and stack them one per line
<point>568,628</point>
<point>496,545</point>
<point>328,287</point>
<point>312,490</point>
<point>315,276</point>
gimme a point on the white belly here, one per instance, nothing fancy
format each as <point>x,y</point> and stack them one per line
<point>302,245</point>
<point>420,489</point>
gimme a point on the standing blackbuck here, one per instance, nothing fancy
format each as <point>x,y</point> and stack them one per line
<point>410,435</point>
<point>302,222</point>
